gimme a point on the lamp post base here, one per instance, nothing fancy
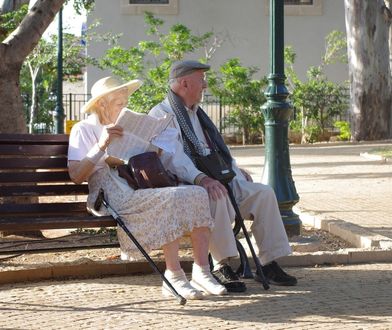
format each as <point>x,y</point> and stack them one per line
<point>291,222</point>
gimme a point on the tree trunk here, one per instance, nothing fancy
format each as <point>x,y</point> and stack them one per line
<point>13,51</point>
<point>367,30</point>
<point>12,118</point>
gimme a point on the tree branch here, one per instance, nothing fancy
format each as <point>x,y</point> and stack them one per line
<point>23,40</point>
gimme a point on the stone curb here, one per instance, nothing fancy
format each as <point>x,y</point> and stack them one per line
<point>358,236</point>
<point>90,268</point>
<point>82,269</point>
<point>349,256</point>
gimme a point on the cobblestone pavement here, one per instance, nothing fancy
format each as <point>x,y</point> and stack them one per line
<point>332,180</point>
<point>339,297</point>
<point>335,181</point>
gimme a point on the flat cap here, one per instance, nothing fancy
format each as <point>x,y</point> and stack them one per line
<point>183,68</point>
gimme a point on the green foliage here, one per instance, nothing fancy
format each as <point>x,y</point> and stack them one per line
<point>80,5</point>
<point>234,85</point>
<point>38,74</point>
<point>321,99</point>
<point>11,20</point>
<point>336,48</point>
<point>150,60</point>
<point>39,71</point>
<point>344,130</point>
<point>317,100</point>
<point>313,133</point>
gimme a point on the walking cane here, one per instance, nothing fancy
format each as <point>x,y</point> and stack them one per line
<point>259,276</point>
<point>97,205</point>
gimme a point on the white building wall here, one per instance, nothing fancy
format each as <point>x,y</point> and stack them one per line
<point>243,24</point>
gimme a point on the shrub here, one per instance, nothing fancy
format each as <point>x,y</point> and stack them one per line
<point>344,130</point>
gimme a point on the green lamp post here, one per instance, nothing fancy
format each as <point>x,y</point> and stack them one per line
<point>58,116</point>
<point>276,111</point>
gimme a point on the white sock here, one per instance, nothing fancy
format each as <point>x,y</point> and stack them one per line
<point>175,273</point>
<point>179,281</point>
<point>198,268</point>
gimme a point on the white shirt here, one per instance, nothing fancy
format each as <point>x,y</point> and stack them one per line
<point>84,136</point>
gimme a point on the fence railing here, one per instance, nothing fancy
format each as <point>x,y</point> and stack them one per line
<point>73,103</point>
<point>214,107</point>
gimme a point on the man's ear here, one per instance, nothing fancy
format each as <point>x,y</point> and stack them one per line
<point>184,83</point>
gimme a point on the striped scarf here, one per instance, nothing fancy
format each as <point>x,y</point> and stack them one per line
<point>188,133</point>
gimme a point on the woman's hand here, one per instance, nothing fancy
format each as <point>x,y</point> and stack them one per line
<point>114,161</point>
<point>109,133</point>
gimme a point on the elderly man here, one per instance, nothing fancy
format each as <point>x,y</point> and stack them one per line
<point>257,201</point>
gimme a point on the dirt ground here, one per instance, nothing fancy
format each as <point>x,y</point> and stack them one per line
<point>89,245</point>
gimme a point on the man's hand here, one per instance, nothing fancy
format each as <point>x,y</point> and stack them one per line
<point>246,175</point>
<point>214,188</point>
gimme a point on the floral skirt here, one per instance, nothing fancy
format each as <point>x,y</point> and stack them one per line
<point>154,216</point>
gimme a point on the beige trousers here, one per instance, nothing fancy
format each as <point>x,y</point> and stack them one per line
<point>258,202</point>
<point>222,241</point>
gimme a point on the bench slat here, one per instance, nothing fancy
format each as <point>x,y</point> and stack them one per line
<point>42,177</point>
<point>33,150</point>
<point>36,223</point>
<point>33,163</point>
<point>43,209</point>
<point>33,139</point>
<point>46,190</point>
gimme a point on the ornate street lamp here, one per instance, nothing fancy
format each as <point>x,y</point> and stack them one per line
<point>277,110</point>
<point>58,116</point>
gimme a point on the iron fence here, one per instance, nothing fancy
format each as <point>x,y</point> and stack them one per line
<point>73,103</point>
<point>216,109</point>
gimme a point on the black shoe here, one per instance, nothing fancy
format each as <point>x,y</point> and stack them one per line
<point>226,276</point>
<point>277,276</point>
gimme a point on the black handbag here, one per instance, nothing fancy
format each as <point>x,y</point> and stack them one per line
<point>145,170</point>
<point>213,164</point>
<point>215,167</point>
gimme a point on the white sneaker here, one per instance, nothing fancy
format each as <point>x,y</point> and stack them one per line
<point>203,280</point>
<point>179,281</point>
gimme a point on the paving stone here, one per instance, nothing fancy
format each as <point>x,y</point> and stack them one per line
<point>339,297</point>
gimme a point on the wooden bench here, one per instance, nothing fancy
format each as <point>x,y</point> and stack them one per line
<point>36,191</point>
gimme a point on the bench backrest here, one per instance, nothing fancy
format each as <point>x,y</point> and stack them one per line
<point>35,184</point>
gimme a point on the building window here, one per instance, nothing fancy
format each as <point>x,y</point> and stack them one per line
<point>157,7</point>
<point>150,2</point>
<point>298,2</point>
<point>299,7</point>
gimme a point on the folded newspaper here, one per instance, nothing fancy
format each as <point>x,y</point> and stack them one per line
<point>139,132</point>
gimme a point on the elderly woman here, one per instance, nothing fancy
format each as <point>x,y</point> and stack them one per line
<point>156,217</point>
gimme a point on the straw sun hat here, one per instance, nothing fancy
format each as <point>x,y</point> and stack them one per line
<point>106,86</point>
